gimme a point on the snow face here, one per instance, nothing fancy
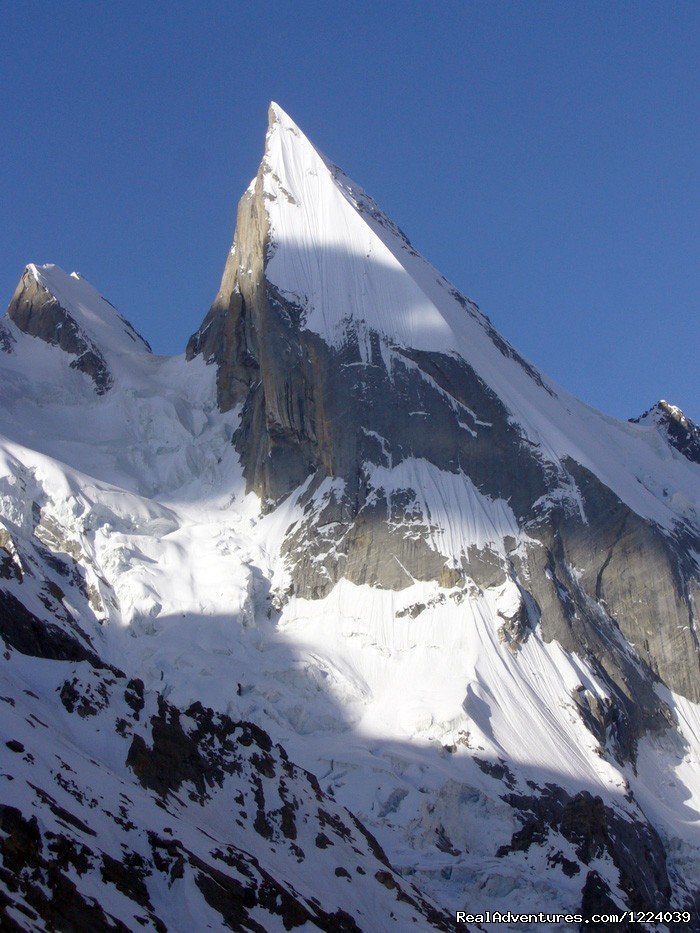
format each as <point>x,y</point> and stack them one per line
<point>66,730</point>
<point>458,517</point>
<point>341,269</point>
<point>389,697</point>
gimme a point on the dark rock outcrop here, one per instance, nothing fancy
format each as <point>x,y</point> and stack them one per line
<point>7,340</point>
<point>680,432</point>
<point>29,635</point>
<point>596,831</point>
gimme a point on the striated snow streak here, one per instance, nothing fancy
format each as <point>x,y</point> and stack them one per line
<point>456,514</point>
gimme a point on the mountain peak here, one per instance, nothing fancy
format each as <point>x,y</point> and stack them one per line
<point>328,239</point>
<point>284,141</point>
<point>679,430</point>
<point>287,149</point>
<point>673,411</point>
<point>91,311</point>
<point>276,114</point>
<point>64,310</point>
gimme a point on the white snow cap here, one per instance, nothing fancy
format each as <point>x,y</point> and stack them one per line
<point>277,115</point>
<point>339,256</point>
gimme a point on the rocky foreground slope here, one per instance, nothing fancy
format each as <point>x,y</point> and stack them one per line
<point>348,616</point>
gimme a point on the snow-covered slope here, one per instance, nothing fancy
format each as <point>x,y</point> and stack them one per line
<point>353,516</point>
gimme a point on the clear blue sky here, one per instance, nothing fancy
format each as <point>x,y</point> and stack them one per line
<point>544,156</point>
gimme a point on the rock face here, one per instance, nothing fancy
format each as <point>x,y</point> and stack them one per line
<point>592,828</point>
<point>349,618</point>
